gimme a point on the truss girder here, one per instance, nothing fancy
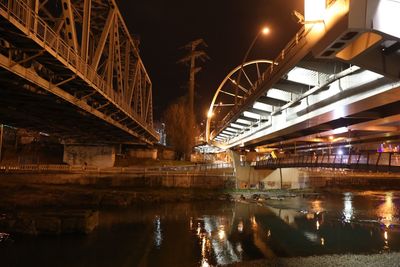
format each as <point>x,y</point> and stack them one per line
<point>90,40</point>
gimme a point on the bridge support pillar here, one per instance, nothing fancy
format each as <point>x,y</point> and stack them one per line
<point>285,178</point>
<point>249,177</point>
<point>246,175</point>
<point>90,155</point>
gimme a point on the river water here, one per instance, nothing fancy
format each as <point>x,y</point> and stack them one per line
<point>213,233</point>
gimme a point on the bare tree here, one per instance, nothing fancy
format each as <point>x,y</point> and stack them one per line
<point>179,135</point>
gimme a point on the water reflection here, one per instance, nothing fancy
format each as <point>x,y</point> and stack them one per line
<point>316,206</point>
<point>254,224</point>
<point>385,235</point>
<point>205,248</point>
<point>348,207</point>
<point>221,233</point>
<point>240,227</point>
<point>386,211</point>
<point>211,234</point>
<point>157,232</point>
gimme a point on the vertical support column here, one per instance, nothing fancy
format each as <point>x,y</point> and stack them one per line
<point>111,52</point>
<point>377,162</point>
<point>70,24</point>
<point>86,29</point>
<point>118,59</point>
<point>126,72</point>
<point>148,105</point>
<point>35,19</point>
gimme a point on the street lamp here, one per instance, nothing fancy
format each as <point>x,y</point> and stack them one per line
<point>263,31</point>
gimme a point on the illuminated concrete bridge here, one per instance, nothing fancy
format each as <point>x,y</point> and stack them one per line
<point>336,82</point>
<point>71,69</point>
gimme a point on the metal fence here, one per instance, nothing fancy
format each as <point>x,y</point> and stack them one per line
<point>224,169</point>
<point>386,161</point>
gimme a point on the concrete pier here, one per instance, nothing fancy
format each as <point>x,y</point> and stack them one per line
<point>91,155</point>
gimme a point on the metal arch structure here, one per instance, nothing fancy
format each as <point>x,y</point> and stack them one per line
<point>77,59</point>
<point>230,89</point>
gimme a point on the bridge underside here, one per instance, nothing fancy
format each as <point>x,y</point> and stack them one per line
<point>25,105</point>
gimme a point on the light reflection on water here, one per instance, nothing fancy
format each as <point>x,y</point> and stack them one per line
<point>157,232</point>
<point>210,234</point>
<point>215,246</point>
<point>348,207</point>
<point>386,210</point>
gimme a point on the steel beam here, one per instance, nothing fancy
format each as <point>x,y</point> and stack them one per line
<point>262,113</point>
<point>68,12</point>
<point>103,38</point>
<point>291,86</point>
<point>271,101</point>
<point>117,51</point>
<point>87,7</point>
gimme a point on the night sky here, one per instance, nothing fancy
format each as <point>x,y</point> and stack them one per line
<point>227,26</point>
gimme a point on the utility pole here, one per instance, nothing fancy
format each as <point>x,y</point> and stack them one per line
<point>190,59</point>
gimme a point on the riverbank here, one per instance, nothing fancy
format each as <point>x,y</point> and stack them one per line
<point>281,226</point>
<point>391,259</point>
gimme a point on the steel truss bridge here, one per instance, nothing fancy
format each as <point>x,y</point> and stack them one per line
<point>71,68</point>
<point>337,78</point>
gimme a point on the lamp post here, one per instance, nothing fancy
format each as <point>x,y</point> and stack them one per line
<point>263,31</point>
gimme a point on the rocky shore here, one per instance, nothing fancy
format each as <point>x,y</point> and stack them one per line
<point>389,259</point>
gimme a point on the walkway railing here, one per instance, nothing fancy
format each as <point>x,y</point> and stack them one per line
<point>383,162</point>
<point>225,168</point>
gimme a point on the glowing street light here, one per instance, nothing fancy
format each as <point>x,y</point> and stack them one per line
<point>265,30</point>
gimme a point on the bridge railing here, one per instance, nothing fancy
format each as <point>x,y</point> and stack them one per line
<point>385,161</point>
<point>33,25</point>
<point>200,168</point>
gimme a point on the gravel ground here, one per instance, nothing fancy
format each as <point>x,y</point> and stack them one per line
<point>375,260</point>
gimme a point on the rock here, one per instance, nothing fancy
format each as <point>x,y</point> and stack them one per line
<point>48,225</point>
<point>114,200</point>
<point>79,221</point>
<point>24,224</point>
<point>51,223</point>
